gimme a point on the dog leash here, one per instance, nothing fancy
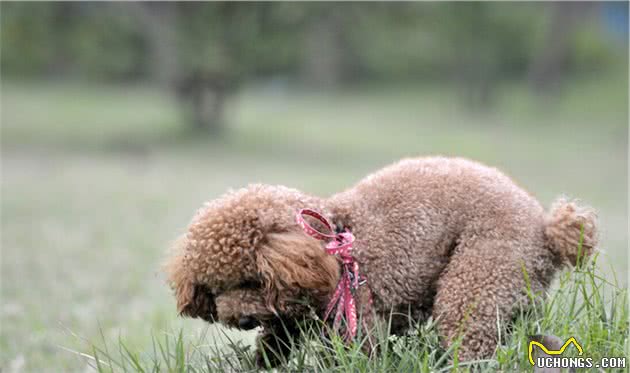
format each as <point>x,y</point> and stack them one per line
<point>340,245</point>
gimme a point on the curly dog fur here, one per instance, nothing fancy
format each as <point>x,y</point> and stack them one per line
<point>445,237</point>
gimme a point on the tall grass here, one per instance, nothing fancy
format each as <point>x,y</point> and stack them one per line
<point>584,304</point>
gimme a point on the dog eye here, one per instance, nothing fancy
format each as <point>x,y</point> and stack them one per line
<point>249,285</point>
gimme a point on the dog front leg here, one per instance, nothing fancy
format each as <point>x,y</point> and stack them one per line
<point>276,342</point>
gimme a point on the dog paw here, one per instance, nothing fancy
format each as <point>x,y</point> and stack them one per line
<point>266,359</point>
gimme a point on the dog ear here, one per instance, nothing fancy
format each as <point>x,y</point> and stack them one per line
<point>184,294</point>
<point>292,263</point>
<point>193,299</point>
<point>199,302</point>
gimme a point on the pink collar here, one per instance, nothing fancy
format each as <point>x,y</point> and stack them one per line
<point>339,244</point>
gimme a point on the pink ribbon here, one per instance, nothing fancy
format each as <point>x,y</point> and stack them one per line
<point>339,244</point>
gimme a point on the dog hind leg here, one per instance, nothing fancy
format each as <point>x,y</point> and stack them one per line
<point>483,281</point>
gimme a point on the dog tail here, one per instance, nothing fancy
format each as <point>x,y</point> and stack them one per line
<point>571,230</point>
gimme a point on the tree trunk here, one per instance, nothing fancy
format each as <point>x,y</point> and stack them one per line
<point>159,21</point>
<point>201,93</point>
<point>208,107</point>
<point>549,65</point>
<point>205,94</point>
<point>323,61</point>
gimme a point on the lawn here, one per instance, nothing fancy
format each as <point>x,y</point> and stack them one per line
<point>98,179</point>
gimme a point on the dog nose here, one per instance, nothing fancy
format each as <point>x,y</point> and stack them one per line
<point>247,322</point>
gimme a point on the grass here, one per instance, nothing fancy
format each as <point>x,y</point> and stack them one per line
<point>585,305</point>
<point>97,180</point>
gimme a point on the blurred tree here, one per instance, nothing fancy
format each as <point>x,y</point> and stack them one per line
<point>487,43</point>
<point>325,59</point>
<point>550,62</point>
<point>188,57</point>
<point>158,22</point>
<point>69,39</point>
<point>26,38</point>
<point>202,52</point>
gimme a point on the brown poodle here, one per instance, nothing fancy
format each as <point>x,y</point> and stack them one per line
<point>445,237</point>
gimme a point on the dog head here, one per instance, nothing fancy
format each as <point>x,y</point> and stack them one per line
<point>245,262</point>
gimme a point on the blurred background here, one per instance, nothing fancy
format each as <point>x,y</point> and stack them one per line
<point>120,119</point>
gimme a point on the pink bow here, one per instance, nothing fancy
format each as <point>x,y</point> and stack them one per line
<point>339,244</point>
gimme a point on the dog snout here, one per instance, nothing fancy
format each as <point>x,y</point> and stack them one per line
<point>247,322</point>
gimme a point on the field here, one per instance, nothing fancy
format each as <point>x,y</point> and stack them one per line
<point>97,180</point>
